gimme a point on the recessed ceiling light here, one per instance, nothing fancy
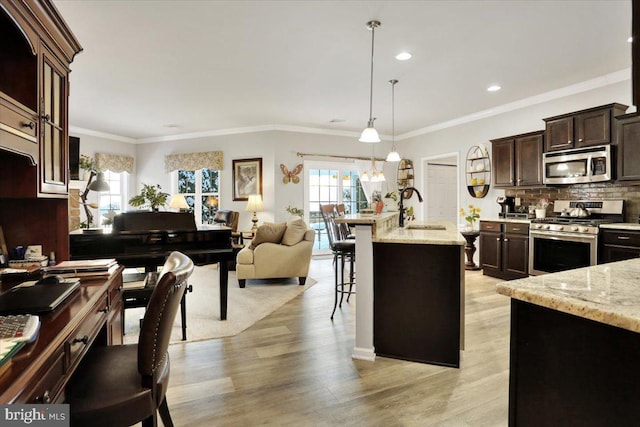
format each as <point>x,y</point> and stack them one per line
<point>173,126</point>
<point>337,120</point>
<point>630,39</point>
<point>403,56</point>
<point>494,88</point>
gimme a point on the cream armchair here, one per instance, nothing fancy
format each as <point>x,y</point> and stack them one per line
<point>275,260</point>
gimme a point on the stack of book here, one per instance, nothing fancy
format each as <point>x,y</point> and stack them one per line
<point>92,268</point>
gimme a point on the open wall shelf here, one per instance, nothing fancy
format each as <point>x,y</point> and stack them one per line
<point>478,171</point>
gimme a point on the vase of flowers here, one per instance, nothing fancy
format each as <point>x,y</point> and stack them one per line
<point>470,216</point>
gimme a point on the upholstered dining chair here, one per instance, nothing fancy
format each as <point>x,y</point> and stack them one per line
<point>125,384</point>
<point>230,219</point>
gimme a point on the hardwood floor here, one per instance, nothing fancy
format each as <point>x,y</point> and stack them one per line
<point>295,368</point>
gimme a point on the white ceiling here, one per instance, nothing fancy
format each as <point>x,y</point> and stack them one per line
<point>216,66</point>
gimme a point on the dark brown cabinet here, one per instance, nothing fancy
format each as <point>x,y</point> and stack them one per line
<point>618,245</point>
<point>504,249</point>
<point>628,139</point>
<point>36,48</point>
<point>517,160</point>
<point>584,128</point>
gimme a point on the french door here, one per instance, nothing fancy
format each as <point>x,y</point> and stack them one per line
<point>330,183</point>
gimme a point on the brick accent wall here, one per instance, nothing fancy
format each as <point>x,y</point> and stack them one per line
<point>630,193</point>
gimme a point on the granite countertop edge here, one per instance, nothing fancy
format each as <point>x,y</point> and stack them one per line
<point>620,285</point>
<point>449,236</point>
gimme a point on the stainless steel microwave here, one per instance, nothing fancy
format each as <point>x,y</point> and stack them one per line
<point>589,164</point>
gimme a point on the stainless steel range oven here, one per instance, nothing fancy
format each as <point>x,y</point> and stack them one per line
<point>570,240</point>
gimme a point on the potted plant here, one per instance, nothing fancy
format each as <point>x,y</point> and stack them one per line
<point>471,216</point>
<point>150,196</point>
<point>391,200</point>
<point>87,164</point>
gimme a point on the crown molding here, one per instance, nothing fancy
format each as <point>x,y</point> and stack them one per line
<point>587,85</point>
<point>89,132</point>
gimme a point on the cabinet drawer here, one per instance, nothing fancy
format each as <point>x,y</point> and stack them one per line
<point>50,382</point>
<point>79,341</point>
<point>514,228</point>
<point>19,123</point>
<point>626,238</point>
<point>491,226</point>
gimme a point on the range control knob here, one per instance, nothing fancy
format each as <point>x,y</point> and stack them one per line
<point>560,227</point>
<point>574,228</point>
<point>546,226</point>
<point>583,229</point>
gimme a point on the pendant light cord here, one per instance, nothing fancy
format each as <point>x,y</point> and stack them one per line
<point>373,34</point>
<point>393,114</point>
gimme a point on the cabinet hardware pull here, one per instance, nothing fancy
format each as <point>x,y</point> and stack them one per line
<point>569,141</point>
<point>505,240</point>
<point>105,310</point>
<point>29,125</point>
<point>46,117</point>
<point>624,237</point>
<point>84,340</point>
<point>45,398</point>
<point>580,140</point>
<point>498,239</point>
<point>516,229</point>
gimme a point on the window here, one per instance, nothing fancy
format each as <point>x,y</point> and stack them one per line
<point>331,183</point>
<point>111,202</point>
<point>200,188</point>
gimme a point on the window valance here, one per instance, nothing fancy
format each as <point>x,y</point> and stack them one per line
<point>114,162</point>
<point>193,161</point>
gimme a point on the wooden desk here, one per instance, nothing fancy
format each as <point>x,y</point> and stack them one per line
<point>92,315</point>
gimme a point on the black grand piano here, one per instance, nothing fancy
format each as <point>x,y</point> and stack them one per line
<point>144,239</point>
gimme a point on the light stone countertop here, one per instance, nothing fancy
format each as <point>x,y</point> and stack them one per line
<point>449,236</point>
<point>633,226</point>
<point>606,293</point>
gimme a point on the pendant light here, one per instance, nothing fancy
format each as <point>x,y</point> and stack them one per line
<point>393,155</point>
<point>370,134</point>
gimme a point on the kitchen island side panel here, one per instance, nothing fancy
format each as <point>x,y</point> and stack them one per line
<point>417,302</point>
<point>567,370</point>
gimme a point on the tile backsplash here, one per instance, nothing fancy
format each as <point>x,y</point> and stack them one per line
<point>630,194</point>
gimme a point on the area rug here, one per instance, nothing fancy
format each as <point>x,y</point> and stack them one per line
<point>244,308</point>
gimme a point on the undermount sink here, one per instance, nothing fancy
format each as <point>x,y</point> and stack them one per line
<point>426,227</point>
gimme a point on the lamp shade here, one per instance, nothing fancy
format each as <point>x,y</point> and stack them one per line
<point>212,202</point>
<point>254,204</point>
<point>393,156</point>
<point>99,184</point>
<point>178,202</point>
<point>369,135</point>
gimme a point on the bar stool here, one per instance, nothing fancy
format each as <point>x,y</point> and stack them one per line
<point>344,251</point>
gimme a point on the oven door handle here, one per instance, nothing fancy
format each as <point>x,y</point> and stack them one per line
<point>572,237</point>
<point>590,166</point>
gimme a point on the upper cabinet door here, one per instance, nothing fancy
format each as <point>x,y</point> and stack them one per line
<point>559,134</point>
<point>529,160</point>
<point>593,128</point>
<point>53,126</point>
<point>503,163</point>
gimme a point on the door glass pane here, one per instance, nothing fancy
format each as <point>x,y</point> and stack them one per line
<point>57,170</point>
<point>47,151</point>
<point>56,110</point>
<point>332,186</point>
<point>46,90</point>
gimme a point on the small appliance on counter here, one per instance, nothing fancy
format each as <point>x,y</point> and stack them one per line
<point>507,205</point>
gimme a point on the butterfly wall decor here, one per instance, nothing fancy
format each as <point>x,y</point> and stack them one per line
<point>291,176</point>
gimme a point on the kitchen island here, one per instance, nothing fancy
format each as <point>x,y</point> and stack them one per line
<point>419,293</point>
<point>575,347</point>
<point>410,284</point>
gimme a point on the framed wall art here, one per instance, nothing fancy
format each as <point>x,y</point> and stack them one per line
<point>247,178</point>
